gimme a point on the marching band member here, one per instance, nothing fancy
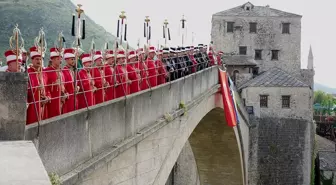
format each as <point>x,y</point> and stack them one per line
<point>152,70</point>
<point>69,77</point>
<point>121,74</point>
<point>98,76</point>
<point>133,72</point>
<point>12,65</point>
<point>143,69</point>
<point>161,79</point>
<point>85,83</point>
<point>109,75</point>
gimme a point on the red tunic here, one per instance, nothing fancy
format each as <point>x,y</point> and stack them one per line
<point>134,77</point>
<point>211,58</point>
<point>35,110</point>
<point>143,74</point>
<point>54,87</point>
<point>86,85</point>
<point>152,73</point>
<point>219,60</point>
<point>98,78</point>
<point>194,67</point>
<point>162,72</point>
<point>109,77</point>
<point>69,104</point>
<point>121,76</point>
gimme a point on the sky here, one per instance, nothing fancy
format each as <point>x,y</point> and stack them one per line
<point>318,24</point>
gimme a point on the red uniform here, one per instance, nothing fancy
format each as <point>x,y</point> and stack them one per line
<point>98,78</point>
<point>86,86</point>
<point>162,72</point>
<point>54,87</point>
<point>152,73</point>
<point>69,88</point>
<point>194,67</point>
<point>109,77</point>
<point>143,74</point>
<point>134,77</point>
<point>122,88</point>
<point>219,59</point>
<point>35,110</point>
<point>211,58</point>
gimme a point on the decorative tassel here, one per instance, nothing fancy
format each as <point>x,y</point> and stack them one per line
<point>107,46</point>
<point>182,24</point>
<point>73,25</point>
<point>164,34</point>
<point>83,34</point>
<point>144,29</point>
<point>125,37</point>
<point>79,42</point>
<point>63,39</point>
<point>149,33</point>
<point>118,28</point>
<point>117,45</point>
<point>168,34</point>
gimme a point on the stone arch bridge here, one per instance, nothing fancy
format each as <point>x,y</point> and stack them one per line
<point>172,134</point>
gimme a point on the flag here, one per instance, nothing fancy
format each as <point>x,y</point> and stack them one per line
<point>228,103</point>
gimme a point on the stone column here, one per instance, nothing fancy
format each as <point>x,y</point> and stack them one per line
<point>13,98</point>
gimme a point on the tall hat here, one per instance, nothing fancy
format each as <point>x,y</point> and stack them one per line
<point>69,53</point>
<point>121,53</point>
<point>109,54</point>
<point>54,52</point>
<point>165,50</point>
<point>151,49</point>
<point>11,57</point>
<point>140,51</point>
<point>131,54</point>
<point>86,57</point>
<point>98,55</point>
<point>34,52</point>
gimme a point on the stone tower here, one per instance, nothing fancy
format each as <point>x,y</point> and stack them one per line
<point>310,59</point>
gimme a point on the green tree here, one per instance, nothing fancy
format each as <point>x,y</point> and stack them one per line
<point>326,102</point>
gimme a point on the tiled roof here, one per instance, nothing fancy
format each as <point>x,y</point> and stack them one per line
<point>256,11</point>
<point>273,78</point>
<point>238,60</point>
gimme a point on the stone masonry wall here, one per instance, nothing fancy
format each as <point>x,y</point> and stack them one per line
<point>13,98</point>
<point>268,37</point>
<point>280,151</point>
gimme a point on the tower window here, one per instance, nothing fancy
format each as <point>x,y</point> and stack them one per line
<point>285,101</point>
<point>253,27</point>
<point>230,26</point>
<point>242,50</point>
<point>258,54</point>
<point>286,28</point>
<point>264,101</point>
<point>275,54</point>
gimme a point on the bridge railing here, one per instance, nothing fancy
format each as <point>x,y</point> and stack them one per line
<point>68,140</point>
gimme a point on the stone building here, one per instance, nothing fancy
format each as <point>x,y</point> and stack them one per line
<point>262,52</point>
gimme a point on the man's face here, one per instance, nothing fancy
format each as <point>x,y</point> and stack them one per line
<point>14,66</point>
<point>121,60</point>
<point>56,61</point>
<point>87,64</point>
<point>110,61</point>
<point>141,56</point>
<point>99,62</point>
<point>132,60</point>
<point>151,55</point>
<point>24,57</point>
<point>70,61</point>
<point>37,62</point>
<point>164,55</point>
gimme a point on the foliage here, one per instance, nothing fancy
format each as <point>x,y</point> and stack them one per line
<point>325,102</point>
<point>168,117</point>
<point>53,15</point>
<point>313,172</point>
<point>54,179</point>
<point>183,107</point>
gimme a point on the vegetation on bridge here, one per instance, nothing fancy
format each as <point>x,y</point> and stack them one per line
<point>324,103</point>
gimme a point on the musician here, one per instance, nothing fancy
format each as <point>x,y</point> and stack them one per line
<point>13,65</point>
<point>143,69</point>
<point>169,66</point>
<point>54,84</point>
<point>85,83</point>
<point>192,58</point>
<point>172,61</point>
<point>219,58</point>
<point>98,76</point>
<point>37,96</point>
<point>133,72</point>
<point>212,59</point>
<point>181,67</point>
<point>109,74</point>
<point>162,72</point>
<point>68,81</point>
<point>199,58</point>
<point>121,75</point>
<point>152,69</point>
<point>187,61</point>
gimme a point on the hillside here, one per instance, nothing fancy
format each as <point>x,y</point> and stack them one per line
<point>320,87</point>
<point>53,15</point>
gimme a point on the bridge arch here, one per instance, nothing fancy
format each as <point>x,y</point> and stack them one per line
<point>217,162</point>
